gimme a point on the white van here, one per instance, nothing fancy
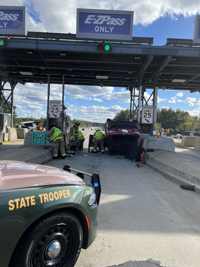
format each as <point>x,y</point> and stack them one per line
<point>30,125</point>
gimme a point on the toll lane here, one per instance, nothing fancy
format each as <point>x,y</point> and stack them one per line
<point>142,215</point>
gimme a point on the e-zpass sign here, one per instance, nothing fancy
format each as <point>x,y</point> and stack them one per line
<point>104,24</point>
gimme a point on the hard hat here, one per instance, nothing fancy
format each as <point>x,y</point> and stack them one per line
<point>77,123</point>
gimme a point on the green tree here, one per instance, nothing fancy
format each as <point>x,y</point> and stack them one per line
<point>123,115</point>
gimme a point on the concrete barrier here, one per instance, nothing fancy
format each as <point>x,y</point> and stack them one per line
<point>197,144</point>
<point>21,133</point>
<point>188,141</point>
<point>12,134</point>
<point>36,138</point>
<point>152,142</point>
<point>5,137</point>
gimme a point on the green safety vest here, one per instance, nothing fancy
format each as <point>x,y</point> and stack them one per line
<point>80,135</point>
<point>74,135</point>
<point>56,134</point>
<point>98,134</point>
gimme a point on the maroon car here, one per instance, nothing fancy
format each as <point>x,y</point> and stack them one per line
<point>119,135</point>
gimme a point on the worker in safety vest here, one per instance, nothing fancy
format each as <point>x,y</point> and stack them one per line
<point>81,139</point>
<point>98,139</point>
<point>73,138</point>
<point>55,135</point>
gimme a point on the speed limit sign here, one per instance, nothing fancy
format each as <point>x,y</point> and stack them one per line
<point>147,114</point>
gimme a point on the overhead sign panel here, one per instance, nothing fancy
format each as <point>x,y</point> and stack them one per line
<point>196,36</point>
<point>147,114</point>
<point>13,20</point>
<point>104,24</point>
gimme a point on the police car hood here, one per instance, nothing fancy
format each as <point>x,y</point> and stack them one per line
<point>16,174</point>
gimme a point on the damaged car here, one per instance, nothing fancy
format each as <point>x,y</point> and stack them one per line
<point>119,135</point>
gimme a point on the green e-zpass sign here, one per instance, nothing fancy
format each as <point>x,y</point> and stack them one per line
<point>39,138</point>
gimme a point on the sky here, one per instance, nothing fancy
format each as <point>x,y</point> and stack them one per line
<point>160,19</point>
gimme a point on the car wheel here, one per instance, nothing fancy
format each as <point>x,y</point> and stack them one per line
<point>55,240</point>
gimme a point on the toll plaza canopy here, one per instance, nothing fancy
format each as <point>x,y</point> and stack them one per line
<point>31,59</point>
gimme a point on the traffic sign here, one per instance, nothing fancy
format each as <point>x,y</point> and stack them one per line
<point>39,138</point>
<point>54,109</point>
<point>147,114</point>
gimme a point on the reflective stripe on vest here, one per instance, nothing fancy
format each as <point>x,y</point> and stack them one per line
<point>56,133</point>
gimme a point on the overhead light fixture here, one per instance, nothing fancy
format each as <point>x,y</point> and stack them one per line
<point>30,52</point>
<point>137,57</point>
<point>178,80</point>
<point>102,77</point>
<point>25,73</point>
<point>62,53</point>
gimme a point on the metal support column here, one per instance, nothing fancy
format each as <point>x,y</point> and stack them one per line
<point>1,88</point>
<point>12,90</point>
<point>155,100</point>
<point>139,102</point>
<point>48,95</point>
<point>63,97</point>
<point>131,101</point>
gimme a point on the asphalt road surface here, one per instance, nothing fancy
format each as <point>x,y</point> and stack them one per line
<point>145,220</point>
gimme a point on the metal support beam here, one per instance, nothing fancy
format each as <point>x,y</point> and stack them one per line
<point>48,95</point>
<point>139,102</point>
<point>1,88</point>
<point>131,97</point>
<point>63,96</point>
<point>160,67</point>
<point>155,100</point>
<point>146,64</point>
<point>6,103</point>
<point>12,85</point>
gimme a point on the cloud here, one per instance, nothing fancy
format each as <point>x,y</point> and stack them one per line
<point>53,16</point>
<point>174,98</point>
<point>179,94</point>
<point>118,95</point>
<point>85,92</point>
<point>194,112</point>
<point>190,101</point>
<point>95,113</point>
<point>97,100</point>
<point>180,100</point>
<point>198,103</point>
<point>161,99</point>
<point>163,107</point>
<point>173,101</point>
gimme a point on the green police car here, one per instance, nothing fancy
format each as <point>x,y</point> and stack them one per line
<point>46,214</point>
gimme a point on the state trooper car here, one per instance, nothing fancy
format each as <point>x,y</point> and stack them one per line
<point>46,214</point>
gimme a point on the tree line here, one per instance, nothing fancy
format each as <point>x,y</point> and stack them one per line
<point>178,121</point>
